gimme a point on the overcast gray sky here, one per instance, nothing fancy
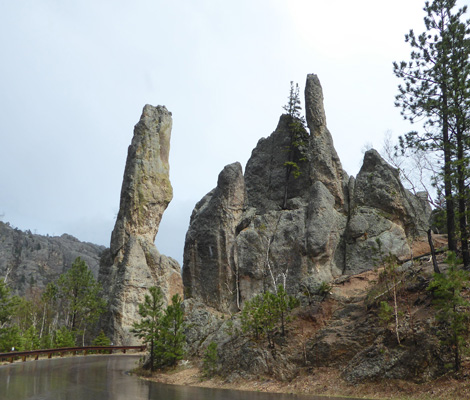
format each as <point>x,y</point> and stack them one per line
<point>75,75</point>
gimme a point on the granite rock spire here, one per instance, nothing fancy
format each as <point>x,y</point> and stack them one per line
<point>133,263</point>
<point>299,230</point>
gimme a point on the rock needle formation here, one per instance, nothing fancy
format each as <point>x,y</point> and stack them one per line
<point>133,263</point>
<point>270,227</point>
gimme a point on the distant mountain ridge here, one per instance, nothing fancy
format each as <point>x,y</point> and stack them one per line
<point>29,260</point>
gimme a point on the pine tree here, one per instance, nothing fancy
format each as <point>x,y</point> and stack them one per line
<point>209,363</point>
<point>436,91</point>
<point>80,294</point>
<point>452,307</point>
<point>457,40</point>
<point>162,330</point>
<point>293,107</point>
<point>169,347</point>
<point>148,329</point>
<point>297,149</point>
<point>268,314</point>
<point>49,319</point>
<point>64,337</point>
<point>101,340</point>
<point>9,333</point>
<point>30,339</point>
<point>8,304</point>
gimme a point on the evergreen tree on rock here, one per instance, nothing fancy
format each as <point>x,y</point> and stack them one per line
<point>436,91</point>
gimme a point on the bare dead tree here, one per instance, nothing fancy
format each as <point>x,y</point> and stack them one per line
<point>417,168</point>
<point>269,239</point>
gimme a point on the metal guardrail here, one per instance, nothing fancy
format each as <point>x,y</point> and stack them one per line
<point>12,355</point>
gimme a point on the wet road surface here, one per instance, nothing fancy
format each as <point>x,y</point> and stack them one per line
<point>102,378</point>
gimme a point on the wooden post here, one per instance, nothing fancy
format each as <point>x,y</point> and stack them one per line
<point>36,357</point>
<point>23,358</point>
<point>49,355</point>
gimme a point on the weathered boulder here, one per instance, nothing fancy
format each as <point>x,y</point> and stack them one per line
<point>419,361</point>
<point>384,217</point>
<point>378,186</point>
<point>244,358</point>
<point>237,355</point>
<point>348,332</point>
<point>203,325</point>
<point>133,263</point>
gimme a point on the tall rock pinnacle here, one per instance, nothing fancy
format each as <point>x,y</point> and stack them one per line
<point>326,165</point>
<point>146,189</point>
<point>134,264</point>
<point>296,230</point>
<point>314,110</point>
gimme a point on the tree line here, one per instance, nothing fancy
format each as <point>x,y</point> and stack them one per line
<point>64,314</point>
<point>436,93</point>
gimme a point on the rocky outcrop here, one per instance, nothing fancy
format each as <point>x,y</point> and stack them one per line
<point>146,188</point>
<point>419,361</point>
<point>133,263</point>
<point>31,261</point>
<point>358,341</point>
<point>384,217</point>
<point>237,355</point>
<point>325,165</point>
<point>210,244</point>
<point>298,229</point>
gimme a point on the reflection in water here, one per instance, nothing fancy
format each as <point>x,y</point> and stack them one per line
<point>102,378</point>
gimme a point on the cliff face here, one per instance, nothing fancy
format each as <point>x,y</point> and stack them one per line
<point>209,250</point>
<point>28,260</point>
<point>296,231</point>
<point>133,263</point>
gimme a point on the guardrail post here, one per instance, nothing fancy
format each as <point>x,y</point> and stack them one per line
<point>11,357</point>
